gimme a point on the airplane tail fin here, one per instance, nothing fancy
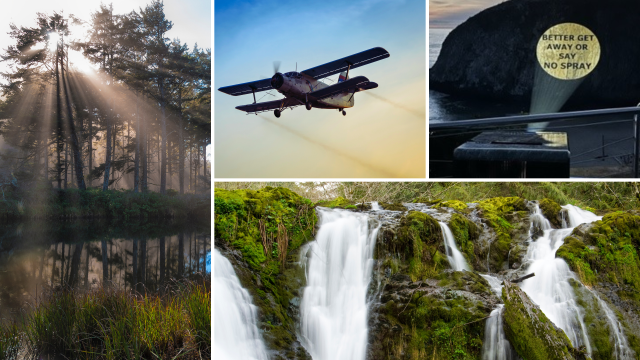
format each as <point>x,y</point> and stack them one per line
<point>343,76</point>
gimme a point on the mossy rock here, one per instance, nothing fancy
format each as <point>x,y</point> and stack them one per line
<point>339,203</point>
<point>579,257</point>
<point>426,201</point>
<point>531,333</point>
<point>241,219</point>
<point>551,210</point>
<point>465,280</point>
<point>363,207</point>
<point>606,251</point>
<point>453,204</point>
<point>393,207</point>
<point>495,212</point>
<point>465,233</point>
<point>419,239</point>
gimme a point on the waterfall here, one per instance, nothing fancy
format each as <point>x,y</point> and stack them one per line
<point>334,309</point>
<point>550,288</point>
<point>621,349</point>
<point>236,334</point>
<point>496,346</point>
<point>456,259</point>
<point>375,206</point>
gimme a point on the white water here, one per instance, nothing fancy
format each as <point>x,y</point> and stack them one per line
<point>375,206</point>
<point>334,309</point>
<point>621,350</point>
<point>456,259</point>
<point>236,334</point>
<point>496,346</point>
<point>550,288</point>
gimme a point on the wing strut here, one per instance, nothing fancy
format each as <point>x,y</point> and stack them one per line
<point>253,90</point>
<point>348,67</point>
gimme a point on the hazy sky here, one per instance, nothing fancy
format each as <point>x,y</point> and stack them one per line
<point>450,13</point>
<point>383,135</point>
<point>191,18</point>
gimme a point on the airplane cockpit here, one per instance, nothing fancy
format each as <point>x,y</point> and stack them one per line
<point>293,74</point>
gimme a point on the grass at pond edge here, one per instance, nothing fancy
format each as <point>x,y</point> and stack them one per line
<point>114,324</point>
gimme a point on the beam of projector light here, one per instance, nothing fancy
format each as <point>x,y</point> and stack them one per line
<point>329,148</point>
<point>411,111</point>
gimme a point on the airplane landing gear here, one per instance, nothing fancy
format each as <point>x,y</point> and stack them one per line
<point>276,112</point>
<point>308,105</point>
<point>344,113</point>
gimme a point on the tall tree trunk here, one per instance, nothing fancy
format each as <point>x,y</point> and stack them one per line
<point>145,160</point>
<point>75,145</point>
<point>66,168</point>
<point>136,164</point>
<point>107,162</point>
<point>59,142</point>
<point>180,144</point>
<point>90,139</point>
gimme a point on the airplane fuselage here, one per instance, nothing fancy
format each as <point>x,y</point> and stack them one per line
<point>297,85</point>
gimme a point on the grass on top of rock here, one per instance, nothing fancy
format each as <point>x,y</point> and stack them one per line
<point>606,251</point>
<point>114,324</point>
<point>266,225</point>
<point>339,203</point>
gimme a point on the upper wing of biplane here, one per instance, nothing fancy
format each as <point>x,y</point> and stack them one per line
<point>355,84</point>
<point>356,60</point>
<point>269,105</point>
<point>247,88</point>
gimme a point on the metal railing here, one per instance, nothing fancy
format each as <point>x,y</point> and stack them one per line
<point>511,120</point>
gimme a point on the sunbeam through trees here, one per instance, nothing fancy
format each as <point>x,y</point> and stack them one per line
<point>131,111</point>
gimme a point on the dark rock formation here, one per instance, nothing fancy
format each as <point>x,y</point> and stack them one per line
<point>493,54</point>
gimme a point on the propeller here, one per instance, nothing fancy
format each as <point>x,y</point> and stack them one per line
<point>277,80</point>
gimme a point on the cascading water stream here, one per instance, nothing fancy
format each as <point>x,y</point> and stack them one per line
<point>456,259</point>
<point>375,206</point>
<point>550,288</point>
<point>621,350</point>
<point>334,309</point>
<point>236,334</point>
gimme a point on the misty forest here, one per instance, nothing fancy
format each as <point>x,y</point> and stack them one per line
<point>105,200</point>
<point>131,111</point>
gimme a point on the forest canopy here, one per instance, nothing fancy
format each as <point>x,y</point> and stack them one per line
<point>131,111</point>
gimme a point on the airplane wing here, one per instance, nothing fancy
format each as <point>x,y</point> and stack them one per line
<point>246,88</point>
<point>356,60</point>
<point>357,83</point>
<point>269,105</point>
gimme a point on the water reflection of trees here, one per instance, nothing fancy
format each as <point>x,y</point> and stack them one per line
<point>137,263</point>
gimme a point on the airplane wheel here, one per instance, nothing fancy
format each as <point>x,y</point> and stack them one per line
<point>308,106</point>
<point>344,113</point>
<point>276,113</point>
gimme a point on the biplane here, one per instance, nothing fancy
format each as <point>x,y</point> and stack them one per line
<point>305,88</point>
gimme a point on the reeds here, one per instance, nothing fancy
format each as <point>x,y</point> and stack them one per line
<point>114,324</point>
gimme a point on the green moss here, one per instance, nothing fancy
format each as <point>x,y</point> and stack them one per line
<point>550,209</point>
<point>242,218</point>
<point>339,202</point>
<point>419,239</point>
<point>465,233</point>
<point>454,204</point>
<point>528,329</point>
<point>597,325</point>
<point>579,257</point>
<point>494,211</point>
<point>611,254</point>
<point>393,207</point>
<point>444,328</point>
